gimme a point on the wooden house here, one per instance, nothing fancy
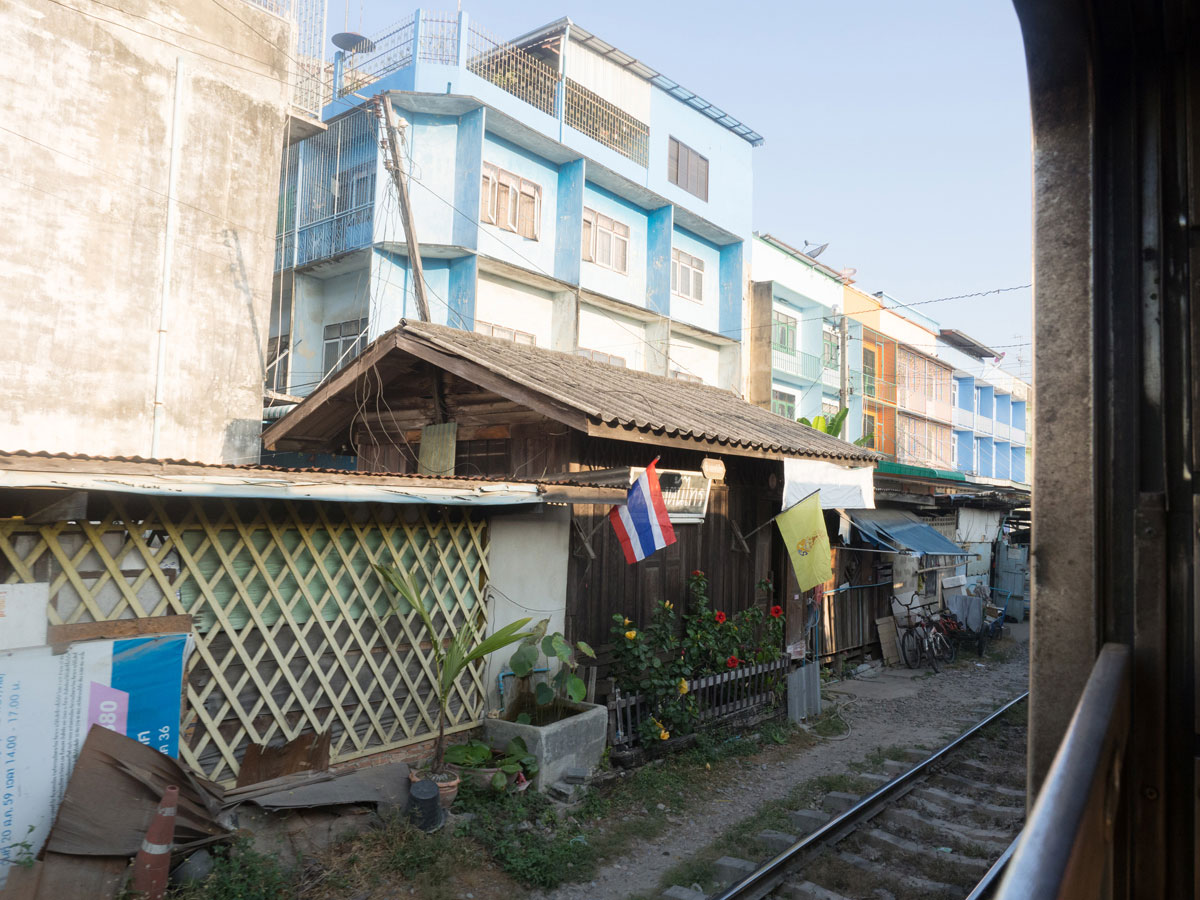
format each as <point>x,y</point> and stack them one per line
<point>439,400</point>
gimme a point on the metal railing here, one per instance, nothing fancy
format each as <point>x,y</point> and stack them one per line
<point>439,38</point>
<point>802,365</point>
<point>1066,849</point>
<point>393,49</point>
<point>602,121</point>
<point>512,69</point>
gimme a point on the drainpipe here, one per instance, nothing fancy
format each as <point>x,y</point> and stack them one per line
<point>164,301</point>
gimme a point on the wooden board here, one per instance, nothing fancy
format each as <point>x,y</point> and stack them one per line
<point>118,628</point>
<point>888,640</point>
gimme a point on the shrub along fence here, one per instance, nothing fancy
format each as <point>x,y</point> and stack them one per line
<point>737,693</point>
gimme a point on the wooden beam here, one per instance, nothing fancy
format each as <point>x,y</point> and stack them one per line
<point>118,628</point>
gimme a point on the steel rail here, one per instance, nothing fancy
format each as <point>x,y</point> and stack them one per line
<point>768,876</point>
<point>990,880</point>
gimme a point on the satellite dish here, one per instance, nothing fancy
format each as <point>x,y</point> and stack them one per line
<point>353,43</point>
<point>849,273</point>
<point>813,254</point>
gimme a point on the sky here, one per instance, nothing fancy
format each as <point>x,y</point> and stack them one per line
<point>895,130</point>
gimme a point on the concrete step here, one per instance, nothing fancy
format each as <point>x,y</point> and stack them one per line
<point>839,801</point>
<point>777,841</point>
<point>996,790</point>
<point>730,869</point>
<point>806,821</point>
<point>923,887</point>
<point>891,843</point>
<point>967,804</point>
<point>806,890</point>
<point>992,839</point>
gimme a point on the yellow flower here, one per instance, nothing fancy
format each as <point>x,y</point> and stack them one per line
<point>707,767</point>
<point>683,688</point>
<point>628,621</point>
<point>631,634</point>
<point>663,735</point>
<point>668,604</point>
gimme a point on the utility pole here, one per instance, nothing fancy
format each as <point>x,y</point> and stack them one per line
<point>844,354</point>
<point>395,165</point>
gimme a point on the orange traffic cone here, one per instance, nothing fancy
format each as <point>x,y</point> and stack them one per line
<point>153,863</point>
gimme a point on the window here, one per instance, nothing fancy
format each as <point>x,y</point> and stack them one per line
<point>783,332</point>
<point>343,342</point>
<point>954,393</point>
<point>510,202</point>
<point>869,429</point>
<point>783,404</point>
<point>355,187</point>
<point>829,408</point>
<point>687,168</point>
<point>829,347</point>
<point>505,334</point>
<point>278,356</point>
<point>687,275</point>
<point>869,371</point>
<point>605,241</point>
<point>686,376</point>
<point>601,357</point>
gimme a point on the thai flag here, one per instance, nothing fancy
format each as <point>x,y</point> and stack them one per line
<point>642,524</point>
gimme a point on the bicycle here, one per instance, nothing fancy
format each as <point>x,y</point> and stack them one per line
<point>921,639</point>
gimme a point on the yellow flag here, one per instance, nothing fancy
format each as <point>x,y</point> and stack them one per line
<point>803,530</point>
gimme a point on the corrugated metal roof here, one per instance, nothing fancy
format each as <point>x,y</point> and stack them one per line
<point>603,394</point>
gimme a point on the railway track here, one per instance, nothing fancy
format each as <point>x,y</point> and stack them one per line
<point>938,826</point>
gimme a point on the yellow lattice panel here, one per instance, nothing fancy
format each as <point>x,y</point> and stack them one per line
<point>294,632</point>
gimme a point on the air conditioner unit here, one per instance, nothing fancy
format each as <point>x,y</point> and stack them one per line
<point>685,493</point>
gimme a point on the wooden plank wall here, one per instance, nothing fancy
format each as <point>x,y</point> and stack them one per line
<point>607,585</point>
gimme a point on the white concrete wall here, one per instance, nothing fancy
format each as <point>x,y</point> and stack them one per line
<point>694,358</point>
<point>515,305</point>
<point>87,100</point>
<point>613,334</point>
<point>528,554</point>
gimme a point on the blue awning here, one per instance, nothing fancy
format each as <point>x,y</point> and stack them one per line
<point>900,531</point>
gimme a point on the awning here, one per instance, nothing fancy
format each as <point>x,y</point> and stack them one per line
<point>841,487</point>
<point>900,531</point>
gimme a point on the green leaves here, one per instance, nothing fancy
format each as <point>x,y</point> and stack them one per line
<point>832,425</point>
<point>473,754</point>
<point>543,693</point>
<point>583,648</point>
<point>524,660</point>
<point>576,689</point>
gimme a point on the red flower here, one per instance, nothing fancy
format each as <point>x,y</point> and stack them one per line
<point>776,612</point>
<point>733,662</point>
<point>696,573</point>
<point>720,617</point>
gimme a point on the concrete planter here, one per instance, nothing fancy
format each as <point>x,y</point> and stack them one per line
<point>576,742</point>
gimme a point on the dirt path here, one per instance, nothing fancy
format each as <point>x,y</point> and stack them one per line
<point>894,707</point>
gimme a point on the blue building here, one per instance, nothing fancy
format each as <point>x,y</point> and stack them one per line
<point>564,194</point>
<point>991,412</point>
<point>794,346</point>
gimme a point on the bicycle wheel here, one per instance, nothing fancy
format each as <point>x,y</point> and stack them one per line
<point>910,650</point>
<point>930,653</point>
<point>943,648</point>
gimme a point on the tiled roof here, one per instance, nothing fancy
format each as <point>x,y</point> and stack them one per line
<point>628,398</point>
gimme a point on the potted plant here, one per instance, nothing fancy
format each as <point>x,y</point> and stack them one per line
<point>449,664</point>
<point>479,764</point>
<point>551,718</point>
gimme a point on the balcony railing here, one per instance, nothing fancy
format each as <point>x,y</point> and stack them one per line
<point>1017,435</point>
<point>802,365</point>
<point>513,69</point>
<point>1001,431</point>
<point>602,121</point>
<point>964,419</point>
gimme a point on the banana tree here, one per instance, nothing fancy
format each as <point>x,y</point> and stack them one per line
<point>449,661</point>
<point>833,425</point>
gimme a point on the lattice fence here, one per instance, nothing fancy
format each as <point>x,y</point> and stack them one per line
<point>293,630</point>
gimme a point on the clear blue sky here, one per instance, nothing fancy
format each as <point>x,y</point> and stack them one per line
<point>896,130</point>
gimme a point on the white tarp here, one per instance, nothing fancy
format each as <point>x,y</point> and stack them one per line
<point>840,487</point>
<point>978,526</point>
